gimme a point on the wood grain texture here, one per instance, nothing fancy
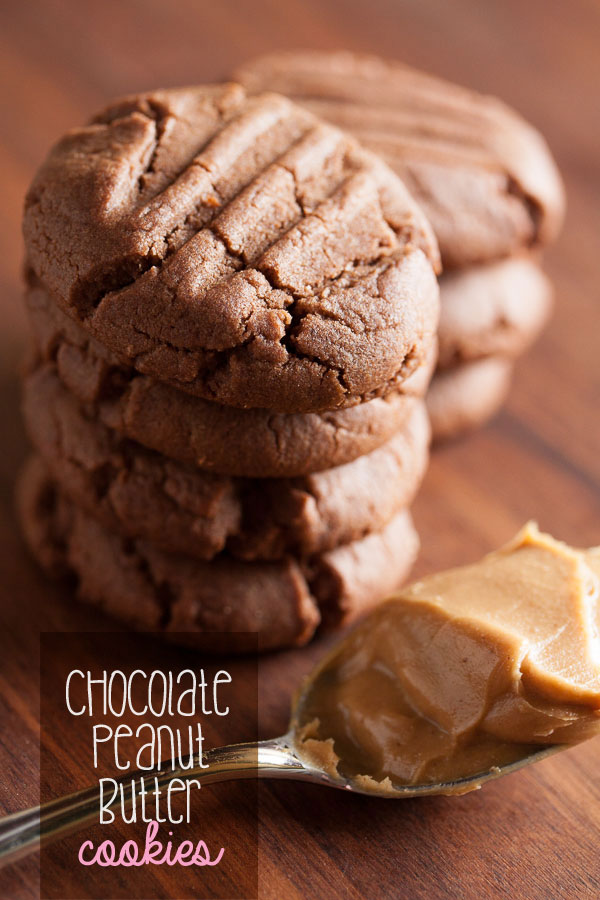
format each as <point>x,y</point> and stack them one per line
<point>535,835</point>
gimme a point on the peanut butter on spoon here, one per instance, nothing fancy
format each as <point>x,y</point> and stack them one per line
<point>462,672</point>
<point>463,677</point>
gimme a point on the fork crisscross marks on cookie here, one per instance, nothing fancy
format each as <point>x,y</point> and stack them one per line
<point>194,264</point>
<point>484,177</point>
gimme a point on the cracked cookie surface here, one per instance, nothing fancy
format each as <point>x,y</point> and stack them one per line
<point>483,176</point>
<point>237,248</point>
<point>252,443</point>
<point>283,602</point>
<point>142,494</point>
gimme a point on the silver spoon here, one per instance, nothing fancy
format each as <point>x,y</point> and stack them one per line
<point>24,832</point>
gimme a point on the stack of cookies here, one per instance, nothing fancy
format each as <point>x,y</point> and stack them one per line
<point>234,312</point>
<point>488,185</point>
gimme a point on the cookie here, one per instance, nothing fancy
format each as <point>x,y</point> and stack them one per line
<point>251,443</point>
<point>466,396</point>
<point>148,589</point>
<point>182,509</point>
<point>496,309</point>
<point>236,248</point>
<point>483,176</point>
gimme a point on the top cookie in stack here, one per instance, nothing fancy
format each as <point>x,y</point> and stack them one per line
<point>224,288</point>
<point>235,248</point>
<point>488,185</point>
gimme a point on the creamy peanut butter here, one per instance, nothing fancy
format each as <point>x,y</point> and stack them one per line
<point>463,671</point>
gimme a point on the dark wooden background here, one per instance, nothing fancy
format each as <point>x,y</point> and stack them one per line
<point>536,834</point>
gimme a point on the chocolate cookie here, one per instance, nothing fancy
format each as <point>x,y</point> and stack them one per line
<point>182,509</point>
<point>466,396</point>
<point>483,176</point>
<point>496,309</point>
<point>254,443</point>
<point>237,248</point>
<point>133,581</point>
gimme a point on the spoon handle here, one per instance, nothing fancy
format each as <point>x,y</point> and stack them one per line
<point>24,832</point>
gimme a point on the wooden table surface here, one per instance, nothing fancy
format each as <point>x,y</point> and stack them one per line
<point>536,834</point>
